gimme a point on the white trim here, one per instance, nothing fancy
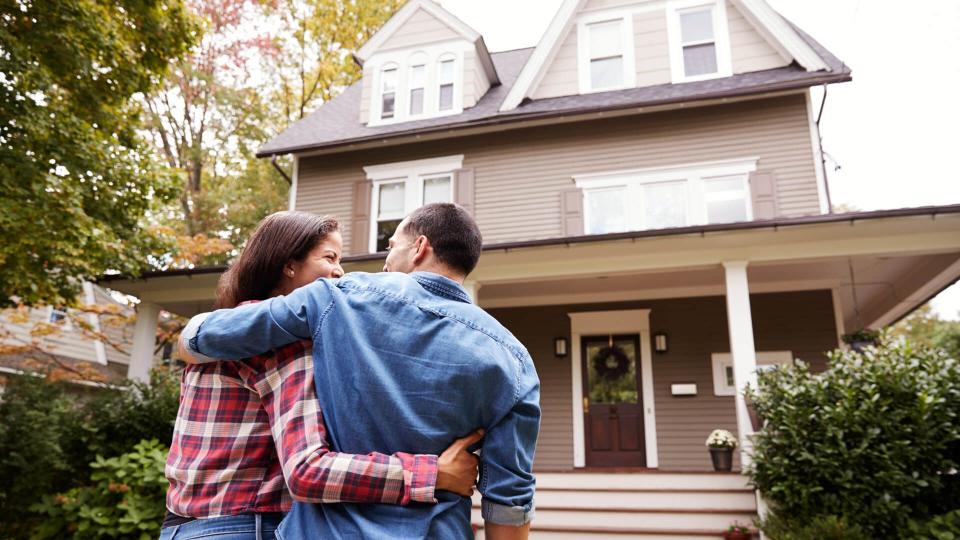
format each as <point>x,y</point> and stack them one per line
<point>401,169</point>
<point>634,321</point>
<point>780,34</point>
<point>693,178</point>
<point>838,315</point>
<point>91,299</point>
<point>818,166</point>
<point>294,182</point>
<point>721,39</point>
<point>719,361</point>
<point>429,56</point>
<point>403,15</point>
<point>740,326</point>
<point>627,54</point>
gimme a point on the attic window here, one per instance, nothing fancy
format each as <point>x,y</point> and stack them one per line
<point>605,53</point>
<point>698,42</point>
<point>388,92</point>
<point>445,79</point>
<point>418,79</point>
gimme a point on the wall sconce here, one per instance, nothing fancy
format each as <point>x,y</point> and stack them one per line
<point>560,346</point>
<point>660,342</point>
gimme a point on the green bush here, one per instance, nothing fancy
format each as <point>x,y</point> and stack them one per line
<point>874,440</point>
<point>124,499</point>
<point>779,527</point>
<point>50,436</point>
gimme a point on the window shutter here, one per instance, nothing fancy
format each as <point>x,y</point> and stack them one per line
<point>571,207</point>
<point>360,226</point>
<point>464,190</point>
<point>763,191</point>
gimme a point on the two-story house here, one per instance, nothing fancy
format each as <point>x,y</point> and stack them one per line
<point>650,187</point>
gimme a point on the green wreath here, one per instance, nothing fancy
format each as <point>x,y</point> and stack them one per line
<point>611,363</point>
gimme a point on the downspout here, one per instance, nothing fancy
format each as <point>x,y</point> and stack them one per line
<point>823,157</point>
<point>273,161</point>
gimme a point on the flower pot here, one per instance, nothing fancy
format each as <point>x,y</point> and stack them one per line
<point>722,459</point>
<point>737,536</point>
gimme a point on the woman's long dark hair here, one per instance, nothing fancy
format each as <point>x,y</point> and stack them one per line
<point>280,238</point>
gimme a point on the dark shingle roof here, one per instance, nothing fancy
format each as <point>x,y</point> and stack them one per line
<point>337,122</point>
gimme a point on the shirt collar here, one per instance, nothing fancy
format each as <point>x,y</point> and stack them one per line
<point>442,286</point>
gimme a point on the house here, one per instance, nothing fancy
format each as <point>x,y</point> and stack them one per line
<point>66,338</point>
<point>651,190</point>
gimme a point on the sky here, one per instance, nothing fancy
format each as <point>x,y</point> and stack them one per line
<point>892,135</point>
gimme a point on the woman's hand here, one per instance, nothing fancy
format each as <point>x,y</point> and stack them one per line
<point>457,468</point>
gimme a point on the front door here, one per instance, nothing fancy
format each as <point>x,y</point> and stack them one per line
<point>613,405</point>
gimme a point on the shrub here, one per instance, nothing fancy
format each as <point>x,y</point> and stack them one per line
<point>827,527</point>
<point>874,440</point>
<point>124,499</point>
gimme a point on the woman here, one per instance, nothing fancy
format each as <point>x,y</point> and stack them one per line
<point>250,436</point>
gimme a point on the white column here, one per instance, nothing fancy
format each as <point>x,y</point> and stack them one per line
<point>740,325</point>
<point>144,341</point>
<point>473,289</point>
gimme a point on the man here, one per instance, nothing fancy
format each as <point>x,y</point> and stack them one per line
<point>404,361</point>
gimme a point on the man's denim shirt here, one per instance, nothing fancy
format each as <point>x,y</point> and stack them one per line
<point>403,363</point>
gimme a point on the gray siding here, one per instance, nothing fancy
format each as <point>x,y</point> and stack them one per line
<point>800,322</point>
<point>520,174</point>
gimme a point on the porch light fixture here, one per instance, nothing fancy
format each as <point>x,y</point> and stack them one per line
<point>560,346</point>
<point>660,342</point>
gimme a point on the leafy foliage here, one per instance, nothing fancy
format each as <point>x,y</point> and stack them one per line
<point>874,440</point>
<point>124,499</point>
<point>75,179</point>
<point>925,327</point>
<point>49,437</point>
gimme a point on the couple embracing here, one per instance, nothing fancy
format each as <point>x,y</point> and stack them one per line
<point>319,405</point>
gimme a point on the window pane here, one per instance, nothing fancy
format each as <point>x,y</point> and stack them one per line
<point>446,72</point>
<point>726,199</point>
<point>724,188</point>
<point>389,101</point>
<point>606,39</point>
<point>391,200</point>
<point>446,97</point>
<point>606,210</point>
<point>388,84</point>
<point>416,101</point>
<point>606,73</point>
<point>696,26</point>
<point>728,371</point>
<point>385,230</point>
<point>726,211</point>
<point>665,205</point>
<point>700,59</point>
<point>417,76</point>
<point>436,190</point>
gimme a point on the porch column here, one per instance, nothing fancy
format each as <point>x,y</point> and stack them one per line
<point>144,341</point>
<point>473,289</point>
<point>740,325</point>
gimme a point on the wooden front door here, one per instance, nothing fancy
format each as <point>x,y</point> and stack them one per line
<point>613,405</point>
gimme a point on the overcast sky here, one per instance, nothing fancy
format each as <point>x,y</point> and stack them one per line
<point>893,131</point>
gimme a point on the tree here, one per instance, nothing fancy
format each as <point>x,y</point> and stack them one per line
<point>925,327</point>
<point>76,181</point>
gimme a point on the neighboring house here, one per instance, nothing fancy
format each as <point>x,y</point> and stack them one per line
<point>650,187</point>
<point>69,345</point>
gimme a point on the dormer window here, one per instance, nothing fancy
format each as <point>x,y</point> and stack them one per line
<point>699,46</point>
<point>446,79</point>
<point>605,53</point>
<point>418,80</point>
<point>388,91</point>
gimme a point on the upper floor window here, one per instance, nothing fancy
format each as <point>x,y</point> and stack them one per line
<point>699,44</point>
<point>418,80</point>
<point>446,80</point>
<point>401,188</point>
<point>605,51</point>
<point>388,91</point>
<point>668,197</point>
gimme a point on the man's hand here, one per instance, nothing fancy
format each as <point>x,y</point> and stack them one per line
<point>457,468</point>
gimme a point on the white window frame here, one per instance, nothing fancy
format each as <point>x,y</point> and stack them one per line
<point>721,36</point>
<point>65,323</point>
<point>583,50</point>
<point>417,59</point>
<point>404,60</point>
<point>693,175</point>
<point>412,174</point>
<point>765,360</point>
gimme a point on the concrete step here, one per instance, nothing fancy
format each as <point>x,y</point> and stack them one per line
<point>740,500</point>
<point>658,519</point>
<point>601,533</point>
<point>642,481</point>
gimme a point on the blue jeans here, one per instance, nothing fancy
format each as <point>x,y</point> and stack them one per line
<point>242,527</point>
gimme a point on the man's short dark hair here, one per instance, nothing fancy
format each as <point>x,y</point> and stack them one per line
<point>452,232</point>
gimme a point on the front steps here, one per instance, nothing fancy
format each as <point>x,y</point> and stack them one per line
<point>639,506</point>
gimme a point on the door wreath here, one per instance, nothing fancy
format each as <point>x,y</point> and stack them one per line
<point>611,363</point>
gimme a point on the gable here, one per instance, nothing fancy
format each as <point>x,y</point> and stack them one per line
<point>749,50</point>
<point>420,29</point>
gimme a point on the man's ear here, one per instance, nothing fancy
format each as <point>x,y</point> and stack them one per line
<point>422,243</point>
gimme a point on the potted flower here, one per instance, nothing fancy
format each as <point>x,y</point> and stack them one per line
<point>861,339</point>
<point>737,532</point>
<point>721,444</point>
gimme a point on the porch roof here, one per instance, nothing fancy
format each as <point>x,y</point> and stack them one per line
<point>881,264</point>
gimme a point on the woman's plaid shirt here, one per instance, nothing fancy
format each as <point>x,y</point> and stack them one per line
<point>250,433</point>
